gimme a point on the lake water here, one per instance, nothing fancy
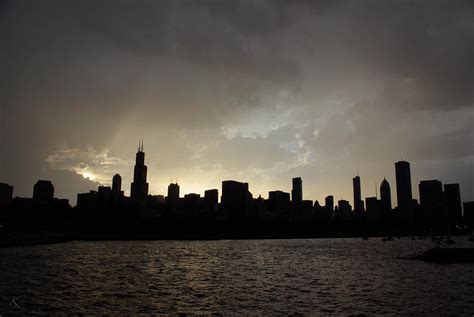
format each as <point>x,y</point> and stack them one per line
<point>269,277</point>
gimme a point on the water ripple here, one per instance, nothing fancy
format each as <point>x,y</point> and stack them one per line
<point>251,277</point>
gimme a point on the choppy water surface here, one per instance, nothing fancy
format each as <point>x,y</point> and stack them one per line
<point>270,277</point>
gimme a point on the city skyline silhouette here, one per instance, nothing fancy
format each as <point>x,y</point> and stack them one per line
<point>403,183</point>
<point>109,211</point>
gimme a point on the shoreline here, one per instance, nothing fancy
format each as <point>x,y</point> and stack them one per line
<point>20,239</point>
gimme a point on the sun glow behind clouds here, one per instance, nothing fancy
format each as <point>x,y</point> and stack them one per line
<point>87,175</point>
<point>97,166</point>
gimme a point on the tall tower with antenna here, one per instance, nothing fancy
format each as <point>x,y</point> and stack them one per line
<point>139,187</point>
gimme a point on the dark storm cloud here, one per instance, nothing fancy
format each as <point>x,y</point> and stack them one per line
<point>363,75</point>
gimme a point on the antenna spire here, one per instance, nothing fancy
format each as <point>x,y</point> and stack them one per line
<point>140,145</point>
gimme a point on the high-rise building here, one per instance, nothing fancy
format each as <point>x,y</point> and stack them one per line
<point>344,210</point>
<point>117,183</point>
<point>358,204</point>
<point>297,192</point>
<point>385,196</point>
<point>373,207</point>
<point>279,203</point>
<point>432,202</point>
<point>235,198</point>
<point>211,197</point>
<point>468,217</point>
<point>329,202</point>
<point>43,191</point>
<point>173,193</point>
<point>403,177</point>
<point>192,202</point>
<point>6,194</point>
<point>139,187</point>
<point>452,196</point>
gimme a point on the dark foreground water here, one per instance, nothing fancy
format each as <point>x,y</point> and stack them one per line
<point>269,277</point>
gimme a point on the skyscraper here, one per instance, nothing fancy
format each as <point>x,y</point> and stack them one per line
<point>297,192</point>
<point>279,203</point>
<point>358,205</point>
<point>117,183</point>
<point>173,193</point>
<point>452,195</point>
<point>432,202</point>
<point>211,197</point>
<point>139,185</point>
<point>403,177</point>
<point>235,198</point>
<point>385,196</point>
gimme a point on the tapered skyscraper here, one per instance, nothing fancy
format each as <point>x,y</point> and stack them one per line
<point>385,195</point>
<point>139,186</point>
<point>404,193</point>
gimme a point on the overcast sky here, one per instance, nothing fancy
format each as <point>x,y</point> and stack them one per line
<point>255,91</point>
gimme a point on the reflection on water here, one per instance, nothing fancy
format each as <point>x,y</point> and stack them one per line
<point>271,277</point>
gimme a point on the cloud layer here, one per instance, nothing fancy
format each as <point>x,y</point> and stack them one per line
<point>255,91</point>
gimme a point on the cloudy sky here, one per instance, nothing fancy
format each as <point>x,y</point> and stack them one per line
<point>256,91</point>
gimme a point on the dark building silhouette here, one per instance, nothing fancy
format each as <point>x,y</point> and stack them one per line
<point>117,183</point>
<point>316,205</point>
<point>344,210</point>
<point>297,192</point>
<point>6,194</point>
<point>432,202</point>
<point>403,178</point>
<point>158,199</point>
<point>173,193</point>
<point>104,190</point>
<point>279,204</point>
<point>104,198</point>
<point>235,198</point>
<point>452,196</point>
<point>373,208</point>
<point>261,208</point>
<point>107,210</point>
<point>87,200</point>
<point>211,198</point>
<point>192,197</point>
<point>385,196</point>
<point>173,201</point>
<point>358,204</point>
<point>139,187</point>
<point>43,191</point>
<point>329,203</point>
<point>468,217</point>
<point>307,208</point>
<point>193,204</point>
<point>325,214</point>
